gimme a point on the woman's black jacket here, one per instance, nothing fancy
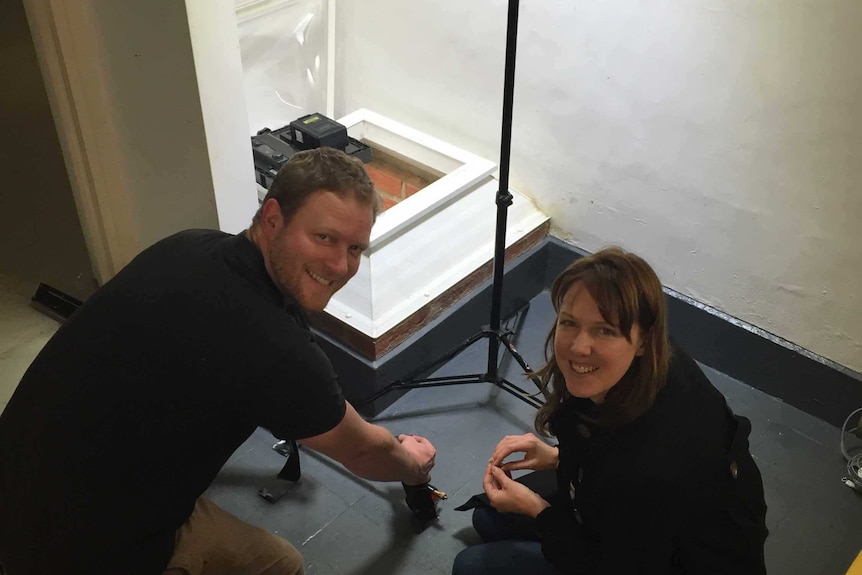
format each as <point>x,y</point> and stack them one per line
<point>674,492</point>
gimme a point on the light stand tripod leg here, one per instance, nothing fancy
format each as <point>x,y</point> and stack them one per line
<point>527,369</point>
<point>503,201</point>
<point>428,382</point>
<point>521,394</point>
<point>504,198</point>
<point>411,382</point>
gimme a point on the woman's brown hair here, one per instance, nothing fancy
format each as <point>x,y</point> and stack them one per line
<point>628,293</point>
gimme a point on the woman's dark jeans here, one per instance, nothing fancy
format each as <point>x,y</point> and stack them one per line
<point>511,546</point>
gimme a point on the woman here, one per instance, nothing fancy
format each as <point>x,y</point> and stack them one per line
<point>653,473</point>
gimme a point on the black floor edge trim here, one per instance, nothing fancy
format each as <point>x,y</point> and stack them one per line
<point>781,369</point>
<point>785,372</point>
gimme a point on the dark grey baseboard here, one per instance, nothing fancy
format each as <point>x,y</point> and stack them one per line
<point>361,377</point>
<point>794,376</point>
<point>765,362</point>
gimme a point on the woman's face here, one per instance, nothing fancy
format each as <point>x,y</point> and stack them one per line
<point>592,354</point>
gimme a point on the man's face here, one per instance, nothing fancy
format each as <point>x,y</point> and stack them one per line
<point>314,254</point>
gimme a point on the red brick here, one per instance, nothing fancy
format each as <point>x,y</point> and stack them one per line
<point>412,185</point>
<point>384,180</point>
<point>388,201</point>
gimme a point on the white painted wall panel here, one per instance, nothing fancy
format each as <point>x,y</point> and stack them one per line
<point>219,74</point>
<point>720,139</point>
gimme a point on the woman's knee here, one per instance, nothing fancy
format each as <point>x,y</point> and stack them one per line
<point>515,557</point>
<point>486,522</point>
<point>491,525</point>
<point>469,561</point>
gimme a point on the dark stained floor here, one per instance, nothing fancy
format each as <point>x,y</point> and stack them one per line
<point>344,525</point>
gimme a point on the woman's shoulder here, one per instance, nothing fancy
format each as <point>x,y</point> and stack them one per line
<point>690,418</point>
<point>687,388</point>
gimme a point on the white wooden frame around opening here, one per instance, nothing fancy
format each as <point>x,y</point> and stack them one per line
<point>428,242</point>
<point>96,145</point>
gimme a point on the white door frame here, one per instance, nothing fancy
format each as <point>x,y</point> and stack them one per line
<point>64,41</point>
<point>126,197</point>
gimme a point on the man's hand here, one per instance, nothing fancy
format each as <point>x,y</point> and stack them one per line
<point>421,450</point>
<point>537,454</point>
<point>509,496</point>
<point>372,452</point>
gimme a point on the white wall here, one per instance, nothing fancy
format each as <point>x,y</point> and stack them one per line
<point>154,114</point>
<point>222,103</point>
<point>720,139</point>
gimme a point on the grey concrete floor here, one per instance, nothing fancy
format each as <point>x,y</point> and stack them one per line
<point>344,525</point>
<point>23,332</point>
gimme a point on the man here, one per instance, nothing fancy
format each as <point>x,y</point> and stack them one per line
<point>131,409</point>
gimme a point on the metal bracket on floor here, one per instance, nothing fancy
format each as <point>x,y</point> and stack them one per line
<point>289,474</point>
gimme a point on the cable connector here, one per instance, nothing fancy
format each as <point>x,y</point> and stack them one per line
<point>422,500</point>
<point>854,460</point>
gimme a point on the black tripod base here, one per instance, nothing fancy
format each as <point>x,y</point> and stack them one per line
<point>496,338</point>
<point>503,384</point>
<point>289,474</point>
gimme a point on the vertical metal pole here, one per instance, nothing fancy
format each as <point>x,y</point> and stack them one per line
<point>504,198</point>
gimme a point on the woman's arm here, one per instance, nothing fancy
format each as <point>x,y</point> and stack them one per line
<point>509,496</point>
<point>537,454</point>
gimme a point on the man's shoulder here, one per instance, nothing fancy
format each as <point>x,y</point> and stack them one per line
<point>180,246</point>
<point>192,238</point>
<point>206,276</point>
<point>199,234</point>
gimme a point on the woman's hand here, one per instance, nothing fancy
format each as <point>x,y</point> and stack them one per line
<point>537,454</point>
<point>509,496</point>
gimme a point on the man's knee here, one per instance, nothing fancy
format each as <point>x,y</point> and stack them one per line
<point>282,557</point>
<point>214,541</point>
<point>290,563</point>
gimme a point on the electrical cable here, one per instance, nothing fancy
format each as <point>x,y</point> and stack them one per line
<point>853,478</point>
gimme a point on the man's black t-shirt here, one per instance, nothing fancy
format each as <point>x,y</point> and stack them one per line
<point>131,409</point>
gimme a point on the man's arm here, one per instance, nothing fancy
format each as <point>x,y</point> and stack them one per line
<point>372,452</point>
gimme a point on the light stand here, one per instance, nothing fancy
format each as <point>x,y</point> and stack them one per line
<point>494,334</point>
